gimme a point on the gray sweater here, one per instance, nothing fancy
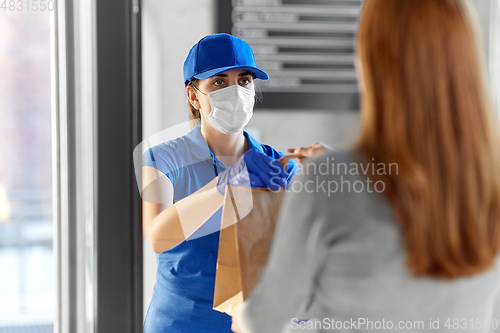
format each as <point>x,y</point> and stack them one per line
<point>342,252</point>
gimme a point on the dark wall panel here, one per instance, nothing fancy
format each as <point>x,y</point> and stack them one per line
<point>306,46</point>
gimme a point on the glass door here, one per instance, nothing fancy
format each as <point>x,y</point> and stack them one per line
<point>27,278</point>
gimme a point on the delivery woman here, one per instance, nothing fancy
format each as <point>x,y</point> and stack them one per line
<point>184,181</point>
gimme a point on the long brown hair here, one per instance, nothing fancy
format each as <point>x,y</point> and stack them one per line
<point>425,106</point>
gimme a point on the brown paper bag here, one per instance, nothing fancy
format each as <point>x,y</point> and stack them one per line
<point>244,246</point>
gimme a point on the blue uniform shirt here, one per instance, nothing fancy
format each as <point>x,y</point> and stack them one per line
<point>183,293</point>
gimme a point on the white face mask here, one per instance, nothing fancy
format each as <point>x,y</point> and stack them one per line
<point>232,108</point>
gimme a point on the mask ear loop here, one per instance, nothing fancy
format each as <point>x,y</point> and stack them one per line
<point>199,91</point>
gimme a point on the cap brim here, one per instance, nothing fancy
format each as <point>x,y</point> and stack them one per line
<point>259,74</point>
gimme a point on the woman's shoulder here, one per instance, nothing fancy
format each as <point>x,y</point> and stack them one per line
<point>169,148</point>
<point>167,155</point>
<point>174,144</point>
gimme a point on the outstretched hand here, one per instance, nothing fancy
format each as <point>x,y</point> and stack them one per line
<point>313,150</point>
<point>254,169</point>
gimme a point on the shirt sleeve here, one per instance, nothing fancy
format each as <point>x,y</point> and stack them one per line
<point>297,256</point>
<point>159,159</point>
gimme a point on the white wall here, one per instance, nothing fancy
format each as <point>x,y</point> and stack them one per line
<point>290,129</point>
<point>495,52</point>
<point>483,8</point>
<point>170,29</point>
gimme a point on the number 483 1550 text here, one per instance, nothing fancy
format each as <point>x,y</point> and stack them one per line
<point>28,5</point>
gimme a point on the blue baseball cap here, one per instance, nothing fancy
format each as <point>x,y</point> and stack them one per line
<point>217,53</point>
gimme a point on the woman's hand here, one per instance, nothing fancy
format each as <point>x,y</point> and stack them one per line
<point>313,150</point>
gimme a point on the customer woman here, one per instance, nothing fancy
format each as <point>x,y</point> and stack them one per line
<point>412,242</point>
<point>185,180</point>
